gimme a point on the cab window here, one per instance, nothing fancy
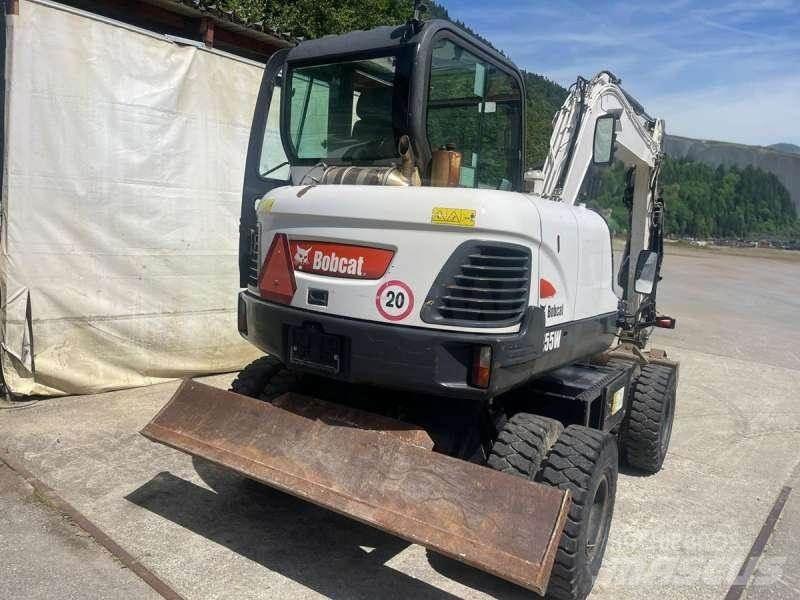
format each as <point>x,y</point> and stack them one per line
<point>273,163</point>
<point>475,107</point>
<point>343,111</point>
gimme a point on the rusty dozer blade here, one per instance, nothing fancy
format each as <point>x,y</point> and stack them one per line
<point>376,470</point>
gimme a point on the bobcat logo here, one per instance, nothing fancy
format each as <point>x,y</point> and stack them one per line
<point>301,257</point>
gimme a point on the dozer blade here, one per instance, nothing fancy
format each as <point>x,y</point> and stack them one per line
<point>377,471</point>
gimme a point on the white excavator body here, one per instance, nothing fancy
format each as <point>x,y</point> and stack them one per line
<point>571,263</point>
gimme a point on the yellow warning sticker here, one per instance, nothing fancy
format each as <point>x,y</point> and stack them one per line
<point>264,205</point>
<point>458,217</point>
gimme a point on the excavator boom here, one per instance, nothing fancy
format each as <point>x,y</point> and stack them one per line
<point>375,470</point>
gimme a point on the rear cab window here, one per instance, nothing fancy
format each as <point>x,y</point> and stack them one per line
<point>343,111</point>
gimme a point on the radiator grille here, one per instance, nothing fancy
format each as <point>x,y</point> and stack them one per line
<point>252,262</point>
<point>484,284</point>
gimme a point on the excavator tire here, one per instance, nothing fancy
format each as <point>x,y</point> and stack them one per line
<point>585,462</point>
<point>265,378</point>
<point>647,427</point>
<point>522,444</point>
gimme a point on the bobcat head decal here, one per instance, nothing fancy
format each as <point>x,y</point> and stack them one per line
<point>301,257</point>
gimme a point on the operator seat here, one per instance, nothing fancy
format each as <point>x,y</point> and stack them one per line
<point>373,132</point>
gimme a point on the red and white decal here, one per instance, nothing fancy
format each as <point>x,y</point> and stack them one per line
<point>394,300</point>
<point>340,260</point>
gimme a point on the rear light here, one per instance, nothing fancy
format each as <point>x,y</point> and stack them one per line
<point>665,322</point>
<point>276,281</point>
<point>546,289</point>
<point>481,366</point>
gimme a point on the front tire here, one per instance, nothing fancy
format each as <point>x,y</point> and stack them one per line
<point>585,462</point>
<point>647,428</point>
<point>265,378</point>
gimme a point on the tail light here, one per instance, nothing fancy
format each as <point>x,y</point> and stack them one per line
<point>481,366</point>
<point>665,322</point>
<point>276,281</point>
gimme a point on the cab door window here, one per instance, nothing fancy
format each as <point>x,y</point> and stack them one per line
<point>476,107</point>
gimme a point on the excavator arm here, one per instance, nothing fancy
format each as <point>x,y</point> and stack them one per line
<point>636,139</point>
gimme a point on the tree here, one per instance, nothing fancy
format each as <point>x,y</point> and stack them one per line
<point>702,201</point>
<point>312,18</point>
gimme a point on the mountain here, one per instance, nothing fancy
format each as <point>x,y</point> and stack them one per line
<point>785,166</point>
<point>788,148</point>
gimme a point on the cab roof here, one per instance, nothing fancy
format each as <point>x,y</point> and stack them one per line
<point>385,38</point>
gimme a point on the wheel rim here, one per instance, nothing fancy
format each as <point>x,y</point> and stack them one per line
<point>598,517</point>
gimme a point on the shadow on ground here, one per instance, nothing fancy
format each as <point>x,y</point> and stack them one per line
<point>324,551</point>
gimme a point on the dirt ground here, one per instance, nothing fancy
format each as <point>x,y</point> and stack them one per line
<point>683,533</point>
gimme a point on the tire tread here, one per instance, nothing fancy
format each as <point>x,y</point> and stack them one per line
<point>570,465</point>
<point>522,444</point>
<point>641,431</point>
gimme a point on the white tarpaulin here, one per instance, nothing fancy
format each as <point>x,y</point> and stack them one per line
<point>124,155</point>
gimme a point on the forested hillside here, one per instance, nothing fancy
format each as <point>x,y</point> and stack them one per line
<point>708,202</point>
<point>702,201</point>
<point>785,165</point>
<point>724,201</point>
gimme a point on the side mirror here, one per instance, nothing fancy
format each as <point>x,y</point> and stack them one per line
<point>646,267</point>
<point>604,138</point>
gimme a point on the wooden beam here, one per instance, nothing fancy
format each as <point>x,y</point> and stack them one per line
<point>207,31</point>
<point>138,13</point>
<point>165,16</point>
<point>260,49</point>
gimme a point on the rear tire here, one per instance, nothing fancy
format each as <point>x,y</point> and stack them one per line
<point>585,462</point>
<point>522,444</point>
<point>265,378</point>
<point>647,427</point>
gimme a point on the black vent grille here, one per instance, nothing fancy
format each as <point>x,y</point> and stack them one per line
<point>252,259</point>
<point>483,284</point>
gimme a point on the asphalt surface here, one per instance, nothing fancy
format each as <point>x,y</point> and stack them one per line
<point>45,555</point>
<point>683,533</point>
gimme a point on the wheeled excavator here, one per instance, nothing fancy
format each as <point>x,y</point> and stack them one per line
<point>445,354</point>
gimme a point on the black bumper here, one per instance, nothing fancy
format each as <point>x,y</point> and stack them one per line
<point>413,358</point>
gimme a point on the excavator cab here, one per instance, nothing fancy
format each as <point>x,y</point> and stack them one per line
<point>433,103</point>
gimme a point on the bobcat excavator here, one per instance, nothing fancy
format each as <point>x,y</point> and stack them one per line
<point>446,357</point>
